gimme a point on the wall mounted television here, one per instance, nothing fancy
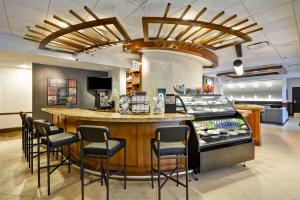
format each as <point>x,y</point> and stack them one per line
<point>99,83</point>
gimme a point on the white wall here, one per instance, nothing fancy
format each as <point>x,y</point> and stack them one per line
<point>295,82</point>
<point>267,90</point>
<point>118,81</point>
<point>165,70</point>
<point>15,94</point>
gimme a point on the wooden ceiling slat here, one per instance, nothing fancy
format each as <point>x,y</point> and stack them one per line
<point>36,32</point>
<point>107,28</point>
<point>81,26</point>
<point>246,27</point>
<point>222,23</point>
<point>253,31</point>
<point>184,31</point>
<point>93,28</point>
<point>199,29</point>
<point>161,25</point>
<point>84,37</point>
<point>181,16</point>
<point>69,43</point>
<point>87,36</point>
<point>31,39</point>
<point>233,37</point>
<point>222,35</point>
<point>67,37</point>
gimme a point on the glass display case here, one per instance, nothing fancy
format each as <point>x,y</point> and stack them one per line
<point>216,128</point>
<point>203,104</point>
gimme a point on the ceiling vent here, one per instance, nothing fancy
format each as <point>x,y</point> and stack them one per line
<point>137,2</point>
<point>258,45</point>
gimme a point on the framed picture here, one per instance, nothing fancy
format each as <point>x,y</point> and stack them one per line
<point>72,91</point>
<point>52,91</point>
<point>72,83</point>
<point>52,100</point>
<point>59,90</point>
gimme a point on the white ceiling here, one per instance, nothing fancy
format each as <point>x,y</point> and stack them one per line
<point>279,18</point>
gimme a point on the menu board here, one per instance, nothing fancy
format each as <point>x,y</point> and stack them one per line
<point>59,90</point>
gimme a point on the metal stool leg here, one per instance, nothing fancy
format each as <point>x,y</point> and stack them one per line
<point>38,162</point>
<point>152,184</point>
<point>158,178</point>
<point>69,158</point>
<point>31,154</point>
<point>48,169</point>
<point>125,168</point>
<point>107,179</point>
<point>28,150</point>
<point>177,172</point>
<point>82,174</point>
<point>186,178</point>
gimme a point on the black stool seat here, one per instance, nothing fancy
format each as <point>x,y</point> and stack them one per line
<point>60,139</point>
<point>168,148</point>
<point>99,148</point>
<point>55,130</point>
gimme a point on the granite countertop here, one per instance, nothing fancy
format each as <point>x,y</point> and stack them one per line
<point>81,114</point>
<point>248,107</point>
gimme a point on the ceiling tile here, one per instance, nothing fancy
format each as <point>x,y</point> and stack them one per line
<point>281,24</point>
<point>18,33</point>
<point>115,8</point>
<point>23,12</point>
<point>157,8</point>
<point>4,29</point>
<point>41,5</point>
<point>3,20</point>
<point>274,14</point>
<point>89,3</point>
<point>216,5</point>
<point>285,38</point>
<point>2,11</point>
<point>239,10</point>
<point>62,8</point>
<point>18,24</point>
<point>257,6</point>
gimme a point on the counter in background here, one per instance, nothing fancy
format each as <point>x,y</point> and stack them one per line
<point>253,119</point>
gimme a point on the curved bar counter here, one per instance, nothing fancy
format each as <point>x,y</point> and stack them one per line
<point>136,129</point>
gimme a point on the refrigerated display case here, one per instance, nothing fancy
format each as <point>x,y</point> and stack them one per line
<point>219,134</point>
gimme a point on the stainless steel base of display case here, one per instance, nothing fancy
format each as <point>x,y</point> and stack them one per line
<point>227,156</point>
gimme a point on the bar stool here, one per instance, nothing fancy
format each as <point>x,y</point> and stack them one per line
<point>22,116</point>
<point>53,142</point>
<point>32,135</point>
<point>170,143</point>
<point>103,147</point>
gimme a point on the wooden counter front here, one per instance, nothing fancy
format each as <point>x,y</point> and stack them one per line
<point>136,129</point>
<point>253,118</point>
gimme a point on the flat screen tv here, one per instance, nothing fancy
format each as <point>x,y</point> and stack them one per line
<point>99,83</point>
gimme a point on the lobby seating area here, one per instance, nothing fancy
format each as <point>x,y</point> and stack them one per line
<point>275,115</point>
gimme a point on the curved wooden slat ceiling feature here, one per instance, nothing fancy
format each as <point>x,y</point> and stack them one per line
<point>84,36</point>
<point>210,34</point>
<point>136,46</point>
<point>192,36</point>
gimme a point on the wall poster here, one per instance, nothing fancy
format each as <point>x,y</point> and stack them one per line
<point>59,90</point>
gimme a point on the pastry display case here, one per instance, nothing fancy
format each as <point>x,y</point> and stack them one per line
<point>219,134</point>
